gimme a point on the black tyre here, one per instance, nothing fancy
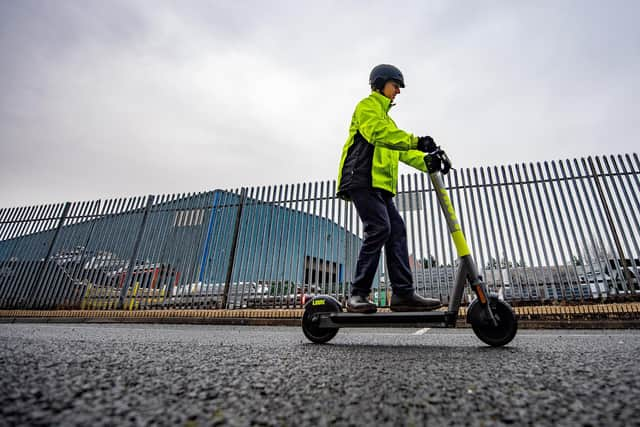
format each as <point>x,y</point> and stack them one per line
<point>313,307</point>
<point>496,336</point>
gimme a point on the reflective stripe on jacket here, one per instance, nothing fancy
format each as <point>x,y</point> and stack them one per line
<point>375,145</point>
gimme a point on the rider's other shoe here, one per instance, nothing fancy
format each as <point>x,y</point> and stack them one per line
<point>413,302</point>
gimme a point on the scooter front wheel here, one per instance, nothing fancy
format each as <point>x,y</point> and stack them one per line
<point>484,328</point>
<point>310,321</point>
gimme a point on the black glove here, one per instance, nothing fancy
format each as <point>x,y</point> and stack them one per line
<point>426,144</point>
<point>437,161</point>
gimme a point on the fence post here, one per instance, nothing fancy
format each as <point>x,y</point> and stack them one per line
<point>614,232</point>
<point>134,255</point>
<point>234,244</point>
<point>39,278</point>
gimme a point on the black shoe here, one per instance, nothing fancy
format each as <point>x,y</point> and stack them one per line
<point>413,302</point>
<point>360,304</point>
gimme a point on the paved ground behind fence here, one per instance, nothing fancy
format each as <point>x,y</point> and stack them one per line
<point>592,316</point>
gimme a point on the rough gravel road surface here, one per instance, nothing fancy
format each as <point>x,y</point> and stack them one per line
<point>198,375</point>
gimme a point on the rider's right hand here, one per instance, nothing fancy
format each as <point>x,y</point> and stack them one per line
<point>426,144</point>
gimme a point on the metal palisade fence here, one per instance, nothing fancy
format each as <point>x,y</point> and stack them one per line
<point>541,232</point>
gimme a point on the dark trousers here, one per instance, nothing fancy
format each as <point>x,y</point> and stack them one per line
<point>383,226</point>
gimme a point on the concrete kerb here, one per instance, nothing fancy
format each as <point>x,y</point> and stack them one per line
<point>228,317</point>
<point>597,316</point>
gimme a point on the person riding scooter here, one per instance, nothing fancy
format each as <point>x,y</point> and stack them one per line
<point>368,176</point>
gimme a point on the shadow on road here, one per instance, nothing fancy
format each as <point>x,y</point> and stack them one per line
<point>444,349</point>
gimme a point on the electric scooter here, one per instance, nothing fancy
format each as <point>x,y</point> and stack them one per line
<point>492,320</point>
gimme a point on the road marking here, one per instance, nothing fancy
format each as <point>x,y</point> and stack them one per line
<point>422,331</point>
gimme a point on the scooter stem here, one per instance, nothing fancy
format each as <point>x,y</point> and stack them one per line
<point>450,214</point>
<point>467,271</point>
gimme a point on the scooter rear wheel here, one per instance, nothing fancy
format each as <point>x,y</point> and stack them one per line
<point>318,305</point>
<point>484,328</point>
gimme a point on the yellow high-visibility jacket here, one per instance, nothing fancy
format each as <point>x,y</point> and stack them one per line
<point>375,145</point>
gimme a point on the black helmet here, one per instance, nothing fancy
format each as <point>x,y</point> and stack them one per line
<point>382,73</point>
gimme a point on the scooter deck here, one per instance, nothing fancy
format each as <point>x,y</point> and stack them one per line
<point>442,319</point>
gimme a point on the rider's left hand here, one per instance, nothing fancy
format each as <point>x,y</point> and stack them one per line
<point>437,161</point>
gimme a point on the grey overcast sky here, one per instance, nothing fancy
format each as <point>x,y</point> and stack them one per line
<point>115,98</point>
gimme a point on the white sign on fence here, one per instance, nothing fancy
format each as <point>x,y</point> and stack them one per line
<point>409,201</point>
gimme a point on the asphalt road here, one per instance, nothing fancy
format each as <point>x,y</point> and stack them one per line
<point>116,374</point>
